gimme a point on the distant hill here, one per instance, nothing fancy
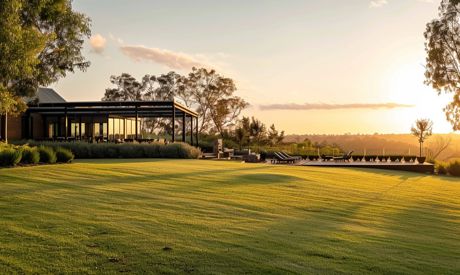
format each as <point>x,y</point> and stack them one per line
<point>388,143</point>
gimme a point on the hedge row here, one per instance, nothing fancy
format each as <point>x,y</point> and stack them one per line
<point>13,155</point>
<point>84,150</point>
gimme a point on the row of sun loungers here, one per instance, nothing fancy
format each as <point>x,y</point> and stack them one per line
<point>346,157</point>
<point>282,157</point>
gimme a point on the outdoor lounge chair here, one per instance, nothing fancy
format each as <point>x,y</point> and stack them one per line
<point>345,157</point>
<point>286,155</point>
<point>278,158</point>
<point>326,158</point>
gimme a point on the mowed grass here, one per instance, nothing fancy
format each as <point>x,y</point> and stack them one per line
<point>180,216</point>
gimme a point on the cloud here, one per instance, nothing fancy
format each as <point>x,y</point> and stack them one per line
<point>324,106</point>
<point>171,59</point>
<point>98,43</point>
<point>377,3</point>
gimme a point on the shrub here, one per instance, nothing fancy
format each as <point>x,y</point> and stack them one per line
<point>454,168</point>
<point>64,155</point>
<point>10,157</point>
<point>30,155</point>
<point>47,155</point>
<point>441,168</point>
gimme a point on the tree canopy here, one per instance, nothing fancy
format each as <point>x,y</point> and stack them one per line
<point>443,56</point>
<point>211,94</point>
<point>40,42</point>
<point>422,129</point>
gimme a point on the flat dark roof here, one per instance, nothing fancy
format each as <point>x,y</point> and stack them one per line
<point>124,108</point>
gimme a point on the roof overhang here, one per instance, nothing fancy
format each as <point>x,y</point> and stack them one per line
<point>124,108</point>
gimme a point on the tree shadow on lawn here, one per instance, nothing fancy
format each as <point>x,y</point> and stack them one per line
<point>97,179</point>
<point>326,240</point>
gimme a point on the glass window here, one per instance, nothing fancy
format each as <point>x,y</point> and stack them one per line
<point>104,129</point>
<point>128,128</point>
<point>97,129</point>
<point>51,130</point>
<point>116,128</point>
<point>74,129</point>
<point>122,128</point>
<point>83,129</point>
<point>111,133</point>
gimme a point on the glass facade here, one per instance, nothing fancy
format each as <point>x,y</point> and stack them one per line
<point>122,128</point>
<point>110,129</point>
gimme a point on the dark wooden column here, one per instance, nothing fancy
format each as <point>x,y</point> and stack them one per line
<point>136,133</point>
<point>45,127</point>
<point>79,128</point>
<point>196,132</point>
<point>191,130</point>
<point>184,116</point>
<point>173,123</point>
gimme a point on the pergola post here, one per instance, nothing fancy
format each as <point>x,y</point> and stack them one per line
<point>79,128</point>
<point>183,126</point>
<point>191,130</point>
<point>46,132</point>
<point>136,134</point>
<point>173,123</point>
<point>196,132</point>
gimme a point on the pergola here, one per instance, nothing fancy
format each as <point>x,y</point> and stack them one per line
<point>128,109</point>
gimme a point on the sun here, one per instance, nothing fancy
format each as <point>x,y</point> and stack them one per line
<point>405,85</point>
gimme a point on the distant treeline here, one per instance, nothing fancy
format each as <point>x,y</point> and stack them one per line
<point>388,144</point>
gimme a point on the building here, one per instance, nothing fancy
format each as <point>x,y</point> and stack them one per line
<point>50,117</point>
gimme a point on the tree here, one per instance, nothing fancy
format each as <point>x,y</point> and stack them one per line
<point>225,112</point>
<point>242,132</point>
<point>257,131</point>
<point>438,146</point>
<point>443,56</point>
<point>208,90</point>
<point>275,137</point>
<point>40,42</point>
<point>127,89</point>
<point>9,105</point>
<point>241,136</point>
<point>422,129</point>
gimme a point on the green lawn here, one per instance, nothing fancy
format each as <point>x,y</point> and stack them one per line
<point>180,216</point>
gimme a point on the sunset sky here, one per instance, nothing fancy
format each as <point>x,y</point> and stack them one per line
<point>329,66</point>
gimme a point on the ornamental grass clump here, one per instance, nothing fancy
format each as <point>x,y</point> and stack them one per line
<point>47,155</point>
<point>10,156</point>
<point>64,155</point>
<point>30,155</point>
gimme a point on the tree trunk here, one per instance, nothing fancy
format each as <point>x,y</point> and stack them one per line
<point>421,144</point>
